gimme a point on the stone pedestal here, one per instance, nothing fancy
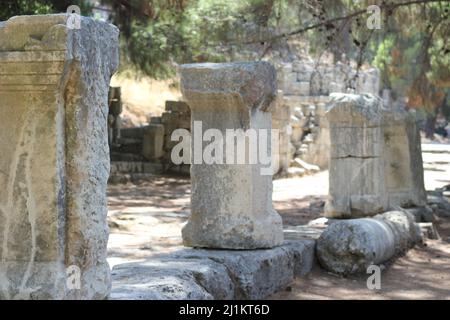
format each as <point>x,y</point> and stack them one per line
<point>231,204</point>
<point>55,159</point>
<point>375,158</point>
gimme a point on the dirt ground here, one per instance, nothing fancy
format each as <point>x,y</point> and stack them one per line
<point>423,273</point>
<point>146,219</point>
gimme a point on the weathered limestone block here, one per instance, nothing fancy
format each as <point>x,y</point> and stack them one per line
<point>304,70</point>
<point>310,131</point>
<point>403,159</point>
<point>177,115</point>
<point>177,106</point>
<point>318,152</point>
<point>153,142</point>
<point>55,159</point>
<point>214,274</point>
<point>350,246</point>
<point>172,279</point>
<point>259,273</point>
<point>231,204</point>
<point>375,158</point>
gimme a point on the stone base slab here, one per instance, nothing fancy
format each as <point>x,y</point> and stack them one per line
<point>213,274</point>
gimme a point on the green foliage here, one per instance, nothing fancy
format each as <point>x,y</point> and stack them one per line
<point>413,54</point>
<point>10,8</point>
<point>440,63</point>
<point>181,32</point>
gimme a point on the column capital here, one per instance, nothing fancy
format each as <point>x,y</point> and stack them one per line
<point>253,82</point>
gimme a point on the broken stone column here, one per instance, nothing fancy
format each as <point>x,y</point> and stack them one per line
<point>350,246</point>
<point>375,158</point>
<point>54,166</point>
<point>231,204</point>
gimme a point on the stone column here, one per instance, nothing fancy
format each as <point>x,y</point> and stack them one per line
<point>55,160</point>
<point>356,172</point>
<point>352,245</point>
<point>375,158</point>
<point>231,204</point>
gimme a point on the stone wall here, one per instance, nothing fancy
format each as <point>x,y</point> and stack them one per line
<point>281,116</point>
<point>178,116</point>
<point>310,78</point>
<point>55,164</point>
<point>310,132</point>
<point>147,149</point>
<point>306,85</point>
<point>298,114</point>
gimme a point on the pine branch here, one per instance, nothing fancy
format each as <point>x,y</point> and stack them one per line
<point>383,7</point>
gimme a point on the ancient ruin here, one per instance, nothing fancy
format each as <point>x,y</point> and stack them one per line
<point>114,120</point>
<point>298,113</point>
<point>242,178</point>
<point>54,92</point>
<point>148,149</point>
<point>281,117</point>
<point>352,245</point>
<point>224,97</point>
<point>306,85</point>
<point>376,162</point>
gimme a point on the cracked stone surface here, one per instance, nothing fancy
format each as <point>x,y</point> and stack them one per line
<point>350,246</point>
<point>55,159</point>
<point>214,274</point>
<point>375,158</point>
